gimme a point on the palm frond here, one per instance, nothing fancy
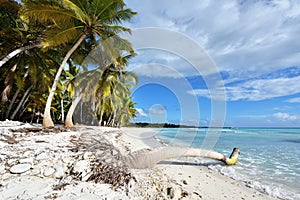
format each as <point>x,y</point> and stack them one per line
<point>117,16</point>
<point>129,77</point>
<point>112,29</point>
<point>33,69</point>
<point>78,11</point>
<point>102,7</point>
<point>46,13</point>
<point>55,36</point>
<point>122,15</point>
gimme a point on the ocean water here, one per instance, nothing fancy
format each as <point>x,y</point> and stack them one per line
<point>269,159</point>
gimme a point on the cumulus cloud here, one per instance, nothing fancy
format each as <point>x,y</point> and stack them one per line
<point>156,70</point>
<point>240,36</point>
<point>158,110</point>
<point>171,49</point>
<point>285,116</point>
<point>277,119</point>
<point>156,63</point>
<point>256,90</point>
<point>141,112</point>
<point>294,100</point>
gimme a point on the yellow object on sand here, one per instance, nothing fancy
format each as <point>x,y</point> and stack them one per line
<point>231,161</point>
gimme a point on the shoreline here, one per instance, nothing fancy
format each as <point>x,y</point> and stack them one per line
<point>197,181</point>
<point>49,159</point>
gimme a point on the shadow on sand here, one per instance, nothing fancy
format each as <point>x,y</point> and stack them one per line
<point>190,163</point>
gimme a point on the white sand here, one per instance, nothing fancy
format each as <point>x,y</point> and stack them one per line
<point>198,181</point>
<point>165,181</point>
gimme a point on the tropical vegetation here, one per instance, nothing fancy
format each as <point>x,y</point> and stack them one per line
<point>44,71</point>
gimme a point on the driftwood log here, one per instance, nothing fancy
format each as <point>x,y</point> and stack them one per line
<point>148,158</point>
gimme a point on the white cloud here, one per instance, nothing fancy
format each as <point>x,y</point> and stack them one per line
<point>170,49</point>
<point>282,108</point>
<point>256,90</point>
<point>157,110</point>
<point>285,116</point>
<point>242,37</point>
<point>141,113</point>
<point>217,93</point>
<point>279,119</point>
<point>156,70</point>
<point>294,100</point>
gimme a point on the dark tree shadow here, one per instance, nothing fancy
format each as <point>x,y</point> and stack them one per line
<point>190,163</point>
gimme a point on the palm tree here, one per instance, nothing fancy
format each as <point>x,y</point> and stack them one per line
<point>8,17</point>
<point>17,51</point>
<point>37,68</point>
<point>108,56</point>
<point>128,80</point>
<point>109,95</point>
<point>112,95</point>
<point>17,35</point>
<point>68,88</point>
<point>147,158</point>
<point>121,101</point>
<point>74,20</point>
<point>127,112</point>
<point>11,34</point>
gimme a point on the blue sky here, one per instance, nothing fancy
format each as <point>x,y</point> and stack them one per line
<point>254,45</point>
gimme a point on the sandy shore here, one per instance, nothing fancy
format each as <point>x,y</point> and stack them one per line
<point>196,182</point>
<point>40,165</point>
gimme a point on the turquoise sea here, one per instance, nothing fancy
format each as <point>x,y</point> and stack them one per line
<point>269,159</point>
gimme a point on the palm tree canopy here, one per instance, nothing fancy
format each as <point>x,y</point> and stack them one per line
<point>71,18</point>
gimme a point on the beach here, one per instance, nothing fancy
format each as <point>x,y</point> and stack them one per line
<point>43,165</point>
<point>197,182</point>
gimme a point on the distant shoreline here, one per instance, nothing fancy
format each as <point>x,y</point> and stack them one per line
<point>170,125</point>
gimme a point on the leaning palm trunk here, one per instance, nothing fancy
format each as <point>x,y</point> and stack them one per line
<point>12,103</point>
<point>62,110</point>
<point>69,121</point>
<point>8,83</point>
<point>47,121</point>
<point>148,158</point>
<point>15,96</point>
<point>114,118</point>
<point>21,102</point>
<point>16,52</point>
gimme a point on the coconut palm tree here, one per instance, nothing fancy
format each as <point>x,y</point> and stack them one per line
<point>17,35</point>
<point>111,55</point>
<point>74,20</point>
<point>127,112</point>
<point>34,75</point>
<point>109,95</point>
<point>112,95</point>
<point>8,17</point>
<point>68,88</point>
<point>18,51</point>
<point>124,107</point>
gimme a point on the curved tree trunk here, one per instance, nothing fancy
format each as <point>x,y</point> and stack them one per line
<point>15,96</point>
<point>17,51</point>
<point>62,109</point>
<point>69,121</point>
<point>21,102</point>
<point>8,83</point>
<point>33,114</point>
<point>12,103</point>
<point>47,120</point>
<point>148,158</point>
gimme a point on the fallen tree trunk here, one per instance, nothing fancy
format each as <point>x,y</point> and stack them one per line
<point>148,158</point>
